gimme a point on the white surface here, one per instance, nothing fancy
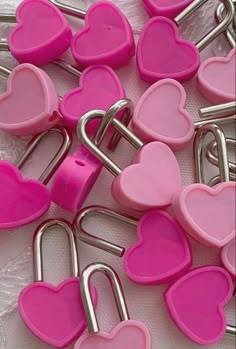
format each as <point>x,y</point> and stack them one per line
<point>145,303</point>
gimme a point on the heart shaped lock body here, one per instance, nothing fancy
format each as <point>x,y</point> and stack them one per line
<point>31,102</point>
<point>99,89</point>
<point>54,314</point>
<point>106,39</point>
<point>195,303</point>
<point>156,119</point>
<point>216,78</point>
<point>128,334</point>
<point>162,252</point>
<point>22,201</point>
<point>173,57</point>
<point>228,257</point>
<point>42,33</point>
<point>207,214</point>
<point>165,8</point>
<point>152,180</point>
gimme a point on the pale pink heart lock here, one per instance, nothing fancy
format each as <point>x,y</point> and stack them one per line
<point>196,301</point>
<point>54,314</point>
<point>161,254</point>
<point>22,200</point>
<point>139,186</point>
<point>165,8</point>
<point>208,214</point>
<point>79,172</point>
<point>128,333</point>
<point>179,59</point>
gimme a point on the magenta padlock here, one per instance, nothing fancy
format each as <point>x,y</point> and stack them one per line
<point>165,8</point>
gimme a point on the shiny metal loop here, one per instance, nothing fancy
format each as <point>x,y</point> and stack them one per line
<point>57,159</point>
<point>84,138</point>
<point>125,105</point>
<point>216,180</point>
<point>219,120</point>
<point>212,156</point>
<point>69,10</point>
<point>212,34</point>
<point>221,110</point>
<point>93,240</point>
<point>37,246</point>
<point>198,146</point>
<point>116,286</point>
<point>230,32</point>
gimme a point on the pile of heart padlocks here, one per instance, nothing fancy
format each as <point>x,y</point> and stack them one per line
<point>98,109</point>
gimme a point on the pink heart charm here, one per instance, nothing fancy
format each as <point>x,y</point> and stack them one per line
<point>165,8</point>
<point>128,334</point>
<point>195,303</point>
<point>106,39</point>
<point>99,88</point>
<point>22,201</point>
<point>54,314</point>
<point>207,214</point>
<point>162,252</point>
<point>173,57</point>
<point>41,35</point>
<point>151,182</point>
<point>156,119</point>
<point>228,257</point>
<point>216,78</point>
<point>31,109</point>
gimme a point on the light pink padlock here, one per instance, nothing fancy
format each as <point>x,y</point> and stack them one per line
<point>127,334</point>
<point>208,214</point>
<point>79,172</point>
<point>161,254</point>
<point>174,57</point>
<point>152,180</point>
<point>54,314</point>
<point>22,200</point>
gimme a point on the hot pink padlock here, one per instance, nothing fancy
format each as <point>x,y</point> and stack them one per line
<point>127,334</point>
<point>174,57</point>
<point>54,314</point>
<point>208,214</point>
<point>22,200</point>
<point>196,302</point>
<point>79,172</point>
<point>152,180</point>
<point>165,8</point>
<point>161,254</point>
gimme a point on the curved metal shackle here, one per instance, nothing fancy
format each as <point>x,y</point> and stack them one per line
<point>116,286</point>
<point>212,156</point>
<point>84,138</point>
<point>213,33</point>
<point>93,240</point>
<point>230,32</point>
<point>216,179</point>
<point>37,246</point>
<point>198,146</point>
<point>58,157</point>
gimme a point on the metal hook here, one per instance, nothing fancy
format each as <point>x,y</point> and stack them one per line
<point>221,147</point>
<point>212,156</point>
<point>37,246</point>
<point>221,110</point>
<point>221,27</point>
<point>116,286</point>
<point>57,159</point>
<point>230,32</point>
<point>93,240</point>
<point>83,137</point>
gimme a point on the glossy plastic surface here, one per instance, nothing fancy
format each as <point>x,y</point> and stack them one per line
<point>165,8</point>
<point>31,103</point>
<point>106,39</point>
<point>41,35</point>
<point>228,257</point>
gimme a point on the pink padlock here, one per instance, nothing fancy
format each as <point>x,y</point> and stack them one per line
<point>161,254</point>
<point>153,179</point>
<point>174,57</point>
<point>54,314</point>
<point>165,8</point>
<point>22,200</point>
<point>196,301</point>
<point>228,257</point>
<point>127,334</point>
